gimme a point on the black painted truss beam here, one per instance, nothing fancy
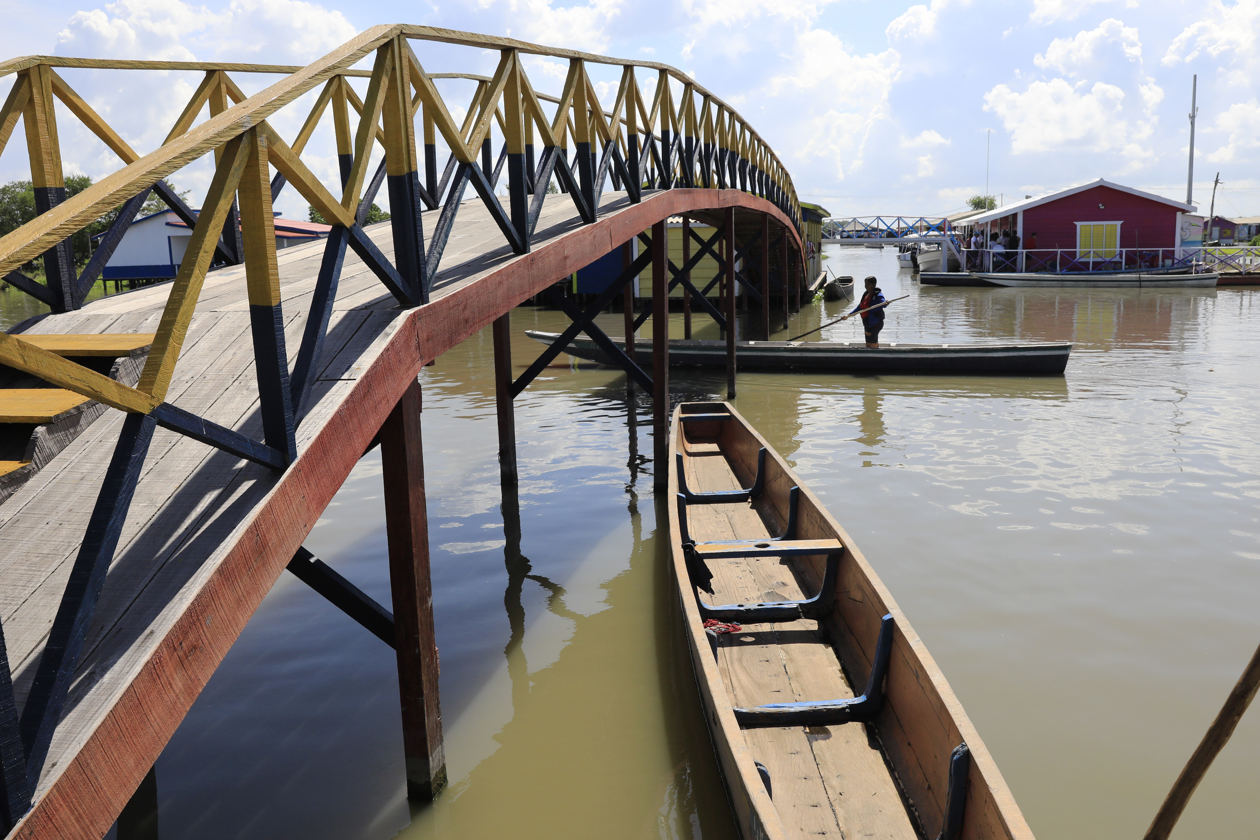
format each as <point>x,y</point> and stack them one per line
<point>343,595</point>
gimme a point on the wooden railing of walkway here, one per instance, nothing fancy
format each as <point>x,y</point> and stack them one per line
<point>683,137</point>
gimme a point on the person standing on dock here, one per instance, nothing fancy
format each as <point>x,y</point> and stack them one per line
<point>873,321</point>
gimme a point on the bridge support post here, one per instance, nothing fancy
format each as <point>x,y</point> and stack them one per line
<point>407,527</point>
<point>686,255</point>
<point>627,303</point>
<point>731,325</point>
<point>783,275</point>
<point>139,817</point>
<point>660,355</point>
<point>765,275</point>
<point>502,329</point>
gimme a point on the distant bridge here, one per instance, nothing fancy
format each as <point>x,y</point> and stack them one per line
<point>887,227</point>
<point>138,545</point>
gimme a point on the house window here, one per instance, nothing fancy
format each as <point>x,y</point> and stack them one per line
<point>1097,240</point>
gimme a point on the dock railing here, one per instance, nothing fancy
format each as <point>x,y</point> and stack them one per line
<point>663,131</point>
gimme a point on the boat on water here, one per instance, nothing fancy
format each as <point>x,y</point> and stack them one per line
<point>840,288</point>
<point>919,256</point>
<point>1117,280</point>
<point>1023,359</point>
<point>1157,279</point>
<point>827,713</point>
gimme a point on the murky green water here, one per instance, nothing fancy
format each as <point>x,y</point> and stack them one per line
<point>1081,555</point>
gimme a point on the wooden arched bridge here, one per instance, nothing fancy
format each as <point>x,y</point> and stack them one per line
<point>169,449</point>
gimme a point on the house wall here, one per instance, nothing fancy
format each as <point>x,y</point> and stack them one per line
<point>1146,223</point>
<point>143,251</point>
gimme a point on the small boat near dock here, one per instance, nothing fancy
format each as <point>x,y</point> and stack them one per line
<point>827,713</point>
<point>1022,359</point>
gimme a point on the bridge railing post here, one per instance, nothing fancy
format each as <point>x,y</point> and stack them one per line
<point>48,180</point>
<point>407,527</point>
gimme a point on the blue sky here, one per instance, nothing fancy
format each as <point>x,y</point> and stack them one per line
<point>874,107</point>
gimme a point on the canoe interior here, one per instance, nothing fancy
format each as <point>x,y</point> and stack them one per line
<point>884,779</point>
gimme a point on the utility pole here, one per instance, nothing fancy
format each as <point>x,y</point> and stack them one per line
<point>1212,206</point>
<point>987,135</point>
<point>1194,112</point>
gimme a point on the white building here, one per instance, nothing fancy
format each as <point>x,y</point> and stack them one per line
<point>153,247</point>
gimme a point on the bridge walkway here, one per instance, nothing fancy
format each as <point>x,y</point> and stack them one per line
<point>209,533</point>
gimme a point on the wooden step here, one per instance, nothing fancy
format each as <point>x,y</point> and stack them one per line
<point>111,345</point>
<point>37,405</point>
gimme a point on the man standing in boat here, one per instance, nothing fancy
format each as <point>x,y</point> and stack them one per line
<point>873,321</point>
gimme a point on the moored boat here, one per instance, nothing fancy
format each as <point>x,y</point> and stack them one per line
<point>1022,359</point>
<point>1105,280</point>
<point>1156,279</point>
<point>827,713</point>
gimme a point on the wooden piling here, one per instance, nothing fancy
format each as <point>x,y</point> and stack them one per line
<point>139,818</point>
<point>660,356</point>
<point>502,330</point>
<point>627,257</point>
<point>765,275</point>
<point>407,527</point>
<point>731,327</point>
<point>686,258</point>
<point>783,275</point>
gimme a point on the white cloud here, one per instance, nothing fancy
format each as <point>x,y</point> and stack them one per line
<point>838,135</point>
<point>284,31</point>
<point>731,13</point>
<point>1049,11</point>
<point>916,23</point>
<point>1067,55</point>
<point>1052,115</point>
<point>1223,32</point>
<point>578,27</point>
<point>927,167</point>
<point>925,140</point>
<point>1242,123</point>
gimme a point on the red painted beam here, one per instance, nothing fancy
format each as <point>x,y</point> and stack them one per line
<point>97,782</point>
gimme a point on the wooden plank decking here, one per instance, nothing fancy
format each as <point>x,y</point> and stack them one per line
<point>208,534</point>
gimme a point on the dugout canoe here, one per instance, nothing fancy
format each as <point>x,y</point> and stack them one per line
<point>1022,359</point>
<point>828,716</point>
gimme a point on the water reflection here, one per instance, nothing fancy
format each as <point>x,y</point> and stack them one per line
<point>1041,534</point>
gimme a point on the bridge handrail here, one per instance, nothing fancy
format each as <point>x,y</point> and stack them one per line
<point>31,240</point>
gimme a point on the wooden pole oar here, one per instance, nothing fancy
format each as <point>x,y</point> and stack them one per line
<point>1215,739</point>
<point>850,315</point>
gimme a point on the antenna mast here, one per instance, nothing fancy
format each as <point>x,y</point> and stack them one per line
<point>1194,111</point>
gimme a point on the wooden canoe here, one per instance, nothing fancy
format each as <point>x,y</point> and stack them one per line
<point>801,757</point>
<point>890,358</point>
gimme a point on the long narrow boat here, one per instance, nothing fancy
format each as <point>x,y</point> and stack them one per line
<point>1105,280</point>
<point>1157,279</point>
<point>828,716</point>
<point>1024,359</point>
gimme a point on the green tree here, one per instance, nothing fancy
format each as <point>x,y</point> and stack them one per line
<point>374,215</point>
<point>17,207</point>
<point>982,202</point>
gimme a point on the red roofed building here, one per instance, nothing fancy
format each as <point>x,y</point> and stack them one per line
<point>1092,223</point>
<point>153,247</point>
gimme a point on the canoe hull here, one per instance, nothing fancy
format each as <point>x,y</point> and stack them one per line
<point>854,358</point>
<point>921,720</point>
<point>1103,281</point>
